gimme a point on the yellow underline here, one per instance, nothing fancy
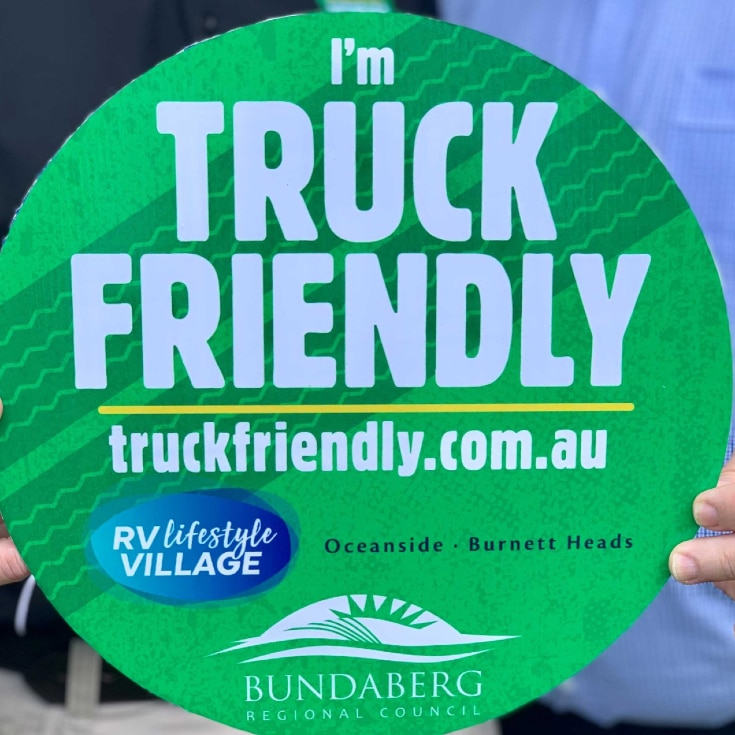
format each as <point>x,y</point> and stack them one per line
<point>370,408</point>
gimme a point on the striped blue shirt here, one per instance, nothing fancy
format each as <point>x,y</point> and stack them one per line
<point>668,67</point>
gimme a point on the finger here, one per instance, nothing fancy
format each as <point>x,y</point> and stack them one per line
<point>710,559</point>
<point>715,509</point>
<point>12,568</point>
<point>728,472</point>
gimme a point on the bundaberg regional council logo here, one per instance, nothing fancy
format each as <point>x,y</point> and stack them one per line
<point>364,626</point>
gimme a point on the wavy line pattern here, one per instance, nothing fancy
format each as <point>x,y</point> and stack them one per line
<point>37,314</point>
<point>518,79</point>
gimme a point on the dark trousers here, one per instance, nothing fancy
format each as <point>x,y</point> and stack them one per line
<point>535,719</point>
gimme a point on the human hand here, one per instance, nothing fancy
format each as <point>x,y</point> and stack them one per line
<point>12,567</point>
<point>711,558</point>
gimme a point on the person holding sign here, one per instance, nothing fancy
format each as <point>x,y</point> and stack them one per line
<point>668,67</point>
<point>192,567</point>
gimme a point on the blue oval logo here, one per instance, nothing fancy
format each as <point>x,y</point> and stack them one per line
<point>195,547</point>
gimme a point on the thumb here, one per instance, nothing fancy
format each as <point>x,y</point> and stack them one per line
<point>12,567</point>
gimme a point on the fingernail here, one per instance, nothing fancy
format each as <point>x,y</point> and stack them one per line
<point>705,514</point>
<point>684,568</point>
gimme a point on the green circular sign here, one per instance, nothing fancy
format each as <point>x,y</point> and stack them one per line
<point>359,372</point>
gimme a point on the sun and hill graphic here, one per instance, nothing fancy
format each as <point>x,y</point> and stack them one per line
<point>364,626</point>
